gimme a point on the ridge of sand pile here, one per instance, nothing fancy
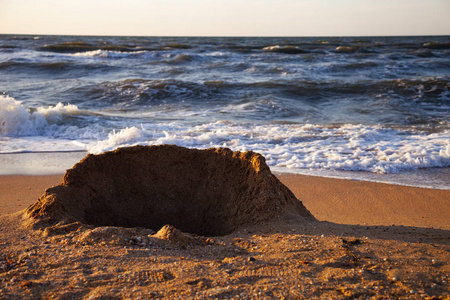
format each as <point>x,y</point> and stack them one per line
<point>207,192</point>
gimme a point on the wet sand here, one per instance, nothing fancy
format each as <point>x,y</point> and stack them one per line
<point>353,251</point>
<point>371,203</point>
<point>19,191</point>
<point>328,199</point>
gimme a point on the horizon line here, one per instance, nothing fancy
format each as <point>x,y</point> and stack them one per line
<point>232,36</point>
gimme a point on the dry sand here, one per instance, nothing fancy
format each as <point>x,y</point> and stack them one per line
<point>359,255</point>
<point>371,203</point>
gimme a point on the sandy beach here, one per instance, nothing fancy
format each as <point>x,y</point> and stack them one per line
<point>371,203</point>
<point>328,199</point>
<point>371,240</point>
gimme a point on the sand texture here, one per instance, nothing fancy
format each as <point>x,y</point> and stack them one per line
<point>52,253</point>
<point>17,192</point>
<point>272,260</point>
<point>371,203</point>
<point>207,192</point>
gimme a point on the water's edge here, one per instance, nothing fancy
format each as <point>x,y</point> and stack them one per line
<point>52,163</point>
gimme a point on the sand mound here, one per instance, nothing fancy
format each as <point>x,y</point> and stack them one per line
<point>207,192</point>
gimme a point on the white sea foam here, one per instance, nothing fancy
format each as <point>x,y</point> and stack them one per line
<point>284,49</point>
<point>54,114</point>
<point>287,147</point>
<point>14,117</point>
<point>292,147</point>
<point>127,136</point>
<point>17,120</point>
<point>115,54</point>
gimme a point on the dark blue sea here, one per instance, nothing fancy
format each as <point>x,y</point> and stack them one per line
<point>370,108</point>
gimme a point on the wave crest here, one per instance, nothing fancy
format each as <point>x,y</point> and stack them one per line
<point>17,120</point>
<point>72,47</point>
<point>285,49</point>
<point>116,54</point>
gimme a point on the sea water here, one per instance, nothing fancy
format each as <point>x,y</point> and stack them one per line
<point>371,108</point>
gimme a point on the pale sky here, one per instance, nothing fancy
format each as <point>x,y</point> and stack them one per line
<point>226,17</point>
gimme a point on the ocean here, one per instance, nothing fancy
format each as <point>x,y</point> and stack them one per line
<point>364,108</point>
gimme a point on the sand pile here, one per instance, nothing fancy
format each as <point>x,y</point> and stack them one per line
<point>207,192</point>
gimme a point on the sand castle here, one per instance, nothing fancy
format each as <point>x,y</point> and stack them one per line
<point>207,192</point>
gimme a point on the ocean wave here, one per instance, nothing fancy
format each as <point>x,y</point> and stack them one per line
<point>18,121</point>
<point>269,70</point>
<point>293,147</point>
<point>80,46</point>
<point>176,46</point>
<point>230,66</point>
<point>422,53</point>
<point>260,108</point>
<point>7,47</point>
<point>243,49</point>
<point>427,89</point>
<point>424,89</point>
<point>364,66</point>
<point>397,97</point>
<point>9,64</point>
<point>127,136</point>
<point>117,54</point>
<point>347,49</point>
<point>68,47</point>
<point>177,59</point>
<point>289,147</point>
<point>50,66</point>
<point>217,83</point>
<point>436,45</point>
<point>136,92</point>
<point>285,49</point>
<point>181,58</point>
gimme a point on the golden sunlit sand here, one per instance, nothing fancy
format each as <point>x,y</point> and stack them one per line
<point>353,251</point>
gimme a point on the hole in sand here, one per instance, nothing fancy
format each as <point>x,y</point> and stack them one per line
<point>207,192</point>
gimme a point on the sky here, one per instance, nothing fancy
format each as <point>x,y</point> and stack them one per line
<point>226,17</point>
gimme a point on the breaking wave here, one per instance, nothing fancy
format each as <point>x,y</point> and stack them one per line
<point>16,120</point>
<point>292,147</point>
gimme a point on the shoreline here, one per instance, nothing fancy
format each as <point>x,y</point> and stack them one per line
<point>54,163</point>
<point>437,177</point>
<point>358,202</point>
<point>343,201</point>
